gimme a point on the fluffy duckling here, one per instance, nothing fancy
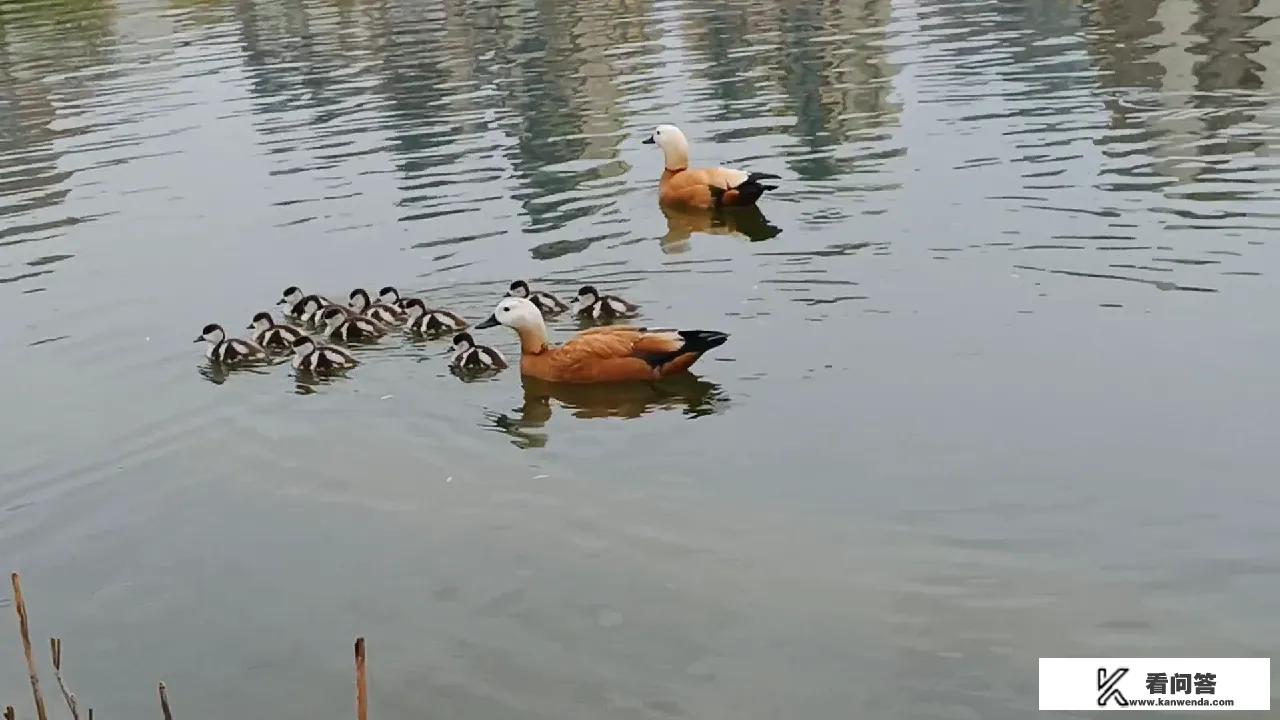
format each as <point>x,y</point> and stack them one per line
<point>467,355</point>
<point>430,322</point>
<point>271,336</point>
<point>309,309</point>
<point>549,304</point>
<point>380,312</point>
<point>604,354</point>
<point>340,327</point>
<point>390,296</point>
<point>590,304</point>
<point>293,299</point>
<point>702,188</point>
<point>229,351</point>
<point>317,359</point>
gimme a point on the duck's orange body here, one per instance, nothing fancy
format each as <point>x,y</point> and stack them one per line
<point>614,353</point>
<point>618,353</point>
<point>707,188</point>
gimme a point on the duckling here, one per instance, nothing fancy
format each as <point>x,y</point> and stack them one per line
<point>594,306</point>
<point>430,322</point>
<point>390,296</point>
<point>294,300</point>
<point>702,188</point>
<point>338,326</point>
<point>271,336</point>
<point>549,304</point>
<point>229,351</point>
<point>314,358</point>
<point>379,312</point>
<point>605,354</point>
<point>468,355</point>
<point>311,310</point>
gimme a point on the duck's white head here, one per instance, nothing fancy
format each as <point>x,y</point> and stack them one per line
<point>517,313</point>
<point>303,345</point>
<point>358,300</point>
<point>291,295</point>
<point>261,321</point>
<point>332,317</point>
<point>675,147</point>
<point>463,341</point>
<point>212,334</point>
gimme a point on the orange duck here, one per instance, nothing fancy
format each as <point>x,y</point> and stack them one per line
<point>702,188</point>
<point>605,354</point>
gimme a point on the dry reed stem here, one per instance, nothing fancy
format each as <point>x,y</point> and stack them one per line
<point>164,702</point>
<point>24,627</point>
<point>362,687</point>
<point>55,648</point>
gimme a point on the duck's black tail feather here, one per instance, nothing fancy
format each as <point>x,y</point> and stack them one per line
<point>748,191</point>
<point>700,341</point>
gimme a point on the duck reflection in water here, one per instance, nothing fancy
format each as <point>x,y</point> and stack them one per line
<point>219,374</point>
<point>749,222</point>
<point>691,395</point>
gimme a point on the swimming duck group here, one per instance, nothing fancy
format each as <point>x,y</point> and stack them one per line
<point>321,333</point>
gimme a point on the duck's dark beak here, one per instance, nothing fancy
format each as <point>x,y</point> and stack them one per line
<point>491,322</point>
<point>249,326</point>
<point>283,301</point>
<point>647,141</point>
<point>199,339</point>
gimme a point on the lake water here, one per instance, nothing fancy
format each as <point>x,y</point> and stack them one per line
<point>1001,382</point>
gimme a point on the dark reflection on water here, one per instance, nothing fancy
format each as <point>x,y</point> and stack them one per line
<point>687,393</point>
<point>682,225</point>
<point>950,379</point>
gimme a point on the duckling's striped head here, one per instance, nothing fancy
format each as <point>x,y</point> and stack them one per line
<point>291,295</point>
<point>519,288</point>
<point>415,307</point>
<point>463,341</point>
<point>304,345</point>
<point>389,295</point>
<point>358,300</point>
<point>587,294</point>
<point>212,334</point>
<point>261,321</point>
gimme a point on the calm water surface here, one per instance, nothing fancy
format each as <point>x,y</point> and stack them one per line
<point>1001,381</point>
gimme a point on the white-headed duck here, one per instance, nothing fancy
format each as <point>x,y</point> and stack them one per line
<point>319,358</point>
<point>467,355</point>
<point>702,188</point>
<point>271,336</point>
<point>429,322</point>
<point>549,304</point>
<point>604,354</point>
<point>380,312</point>
<point>340,327</point>
<point>591,305</point>
<point>229,351</point>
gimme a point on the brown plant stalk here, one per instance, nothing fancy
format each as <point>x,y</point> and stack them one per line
<point>164,703</point>
<point>55,648</point>
<point>362,686</point>
<point>25,628</point>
